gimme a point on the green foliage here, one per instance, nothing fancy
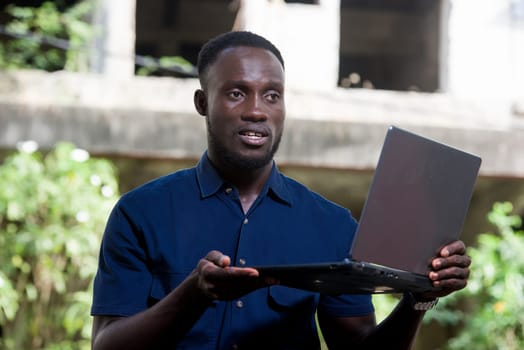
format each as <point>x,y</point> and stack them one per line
<point>53,210</point>
<point>151,65</point>
<point>490,311</point>
<point>46,21</point>
<point>384,305</point>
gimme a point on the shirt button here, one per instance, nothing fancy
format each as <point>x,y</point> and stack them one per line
<point>242,261</point>
<point>246,221</point>
<point>240,304</point>
<point>228,190</point>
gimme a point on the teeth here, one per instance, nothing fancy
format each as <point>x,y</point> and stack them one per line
<point>251,133</point>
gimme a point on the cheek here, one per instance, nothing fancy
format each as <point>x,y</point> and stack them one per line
<point>219,125</point>
<point>279,117</point>
<point>222,110</point>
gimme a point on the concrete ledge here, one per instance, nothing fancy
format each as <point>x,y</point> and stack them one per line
<point>518,108</point>
<point>154,117</point>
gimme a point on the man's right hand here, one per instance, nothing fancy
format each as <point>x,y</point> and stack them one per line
<point>220,281</point>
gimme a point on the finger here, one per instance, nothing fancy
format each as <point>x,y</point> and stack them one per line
<point>449,273</point>
<point>456,247</point>
<point>450,285</point>
<point>204,270</point>
<point>228,277</point>
<point>451,261</point>
<point>235,272</point>
<point>217,258</point>
<point>446,287</point>
<point>232,282</point>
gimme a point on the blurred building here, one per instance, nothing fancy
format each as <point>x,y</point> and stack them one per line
<point>353,67</point>
<point>452,70</point>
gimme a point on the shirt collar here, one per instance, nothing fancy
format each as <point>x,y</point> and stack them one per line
<point>210,181</point>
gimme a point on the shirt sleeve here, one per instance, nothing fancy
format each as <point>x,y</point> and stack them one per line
<point>346,305</point>
<point>123,281</point>
<point>351,304</point>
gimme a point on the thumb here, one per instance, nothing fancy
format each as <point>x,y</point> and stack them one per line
<point>224,261</point>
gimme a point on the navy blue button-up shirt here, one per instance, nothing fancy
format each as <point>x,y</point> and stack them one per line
<point>157,233</point>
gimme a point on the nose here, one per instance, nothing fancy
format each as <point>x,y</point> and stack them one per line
<point>254,110</point>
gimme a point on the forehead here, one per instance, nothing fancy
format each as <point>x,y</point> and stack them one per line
<point>245,63</point>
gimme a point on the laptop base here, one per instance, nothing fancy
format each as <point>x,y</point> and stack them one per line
<point>347,277</point>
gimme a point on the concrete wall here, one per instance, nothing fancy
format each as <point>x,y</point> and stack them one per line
<point>486,49</point>
<point>332,140</point>
<point>340,129</point>
<point>307,35</point>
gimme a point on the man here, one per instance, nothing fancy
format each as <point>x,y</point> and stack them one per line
<point>174,263</point>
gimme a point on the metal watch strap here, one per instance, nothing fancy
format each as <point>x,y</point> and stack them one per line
<point>421,305</point>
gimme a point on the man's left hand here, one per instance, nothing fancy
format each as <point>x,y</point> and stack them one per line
<point>450,270</point>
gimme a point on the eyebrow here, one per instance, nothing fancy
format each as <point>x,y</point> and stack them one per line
<point>276,84</point>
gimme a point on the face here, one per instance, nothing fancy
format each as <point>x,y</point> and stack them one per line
<point>243,101</point>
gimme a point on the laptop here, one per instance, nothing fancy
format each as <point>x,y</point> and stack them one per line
<point>417,203</point>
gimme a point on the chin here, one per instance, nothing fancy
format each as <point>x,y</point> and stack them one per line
<point>251,159</point>
<point>248,163</point>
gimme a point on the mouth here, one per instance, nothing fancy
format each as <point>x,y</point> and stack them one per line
<point>254,134</point>
<point>253,137</point>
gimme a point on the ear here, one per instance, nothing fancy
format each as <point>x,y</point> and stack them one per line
<point>200,101</point>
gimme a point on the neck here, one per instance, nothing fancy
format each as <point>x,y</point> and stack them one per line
<point>248,182</point>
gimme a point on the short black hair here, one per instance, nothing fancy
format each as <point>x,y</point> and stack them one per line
<point>210,50</point>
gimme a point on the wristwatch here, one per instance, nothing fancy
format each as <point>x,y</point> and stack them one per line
<point>420,305</point>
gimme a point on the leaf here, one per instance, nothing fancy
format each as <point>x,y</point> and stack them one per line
<point>45,250</point>
<point>494,299</point>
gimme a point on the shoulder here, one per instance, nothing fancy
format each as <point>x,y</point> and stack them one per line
<point>156,190</point>
<point>302,195</point>
<point>317,222</point>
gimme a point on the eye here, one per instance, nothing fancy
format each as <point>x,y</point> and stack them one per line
<point>272,96</point>
<point>235,94</point>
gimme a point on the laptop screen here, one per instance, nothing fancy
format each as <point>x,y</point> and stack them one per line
<point>417,201</point>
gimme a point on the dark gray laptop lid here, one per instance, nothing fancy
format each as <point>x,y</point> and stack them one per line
<point>417,201</point>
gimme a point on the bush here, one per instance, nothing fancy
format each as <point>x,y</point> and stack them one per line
<point>47,38</point>
<point>489,313</point>
<point>53,210</point>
